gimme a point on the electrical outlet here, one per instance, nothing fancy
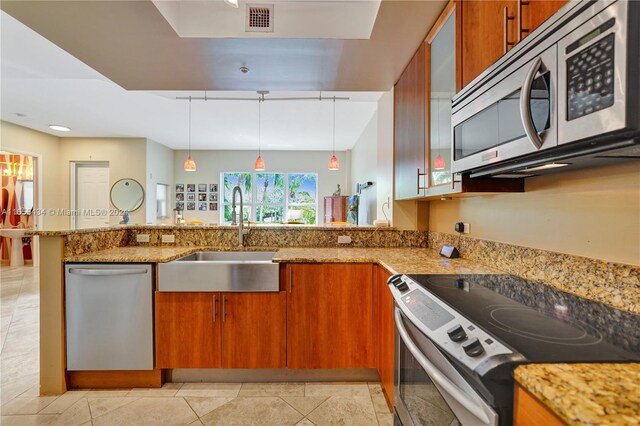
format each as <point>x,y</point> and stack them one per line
<point>142,238</point>
<point>344,239</point>
<point>466,228</point>
<point>169,238</point>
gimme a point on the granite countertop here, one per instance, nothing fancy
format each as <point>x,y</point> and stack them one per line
<point>63,232</point>
<point>586,394</point>
<point>396,260</point>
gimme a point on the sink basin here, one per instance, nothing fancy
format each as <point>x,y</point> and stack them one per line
<point>231,271</point>
<point>16,234</point>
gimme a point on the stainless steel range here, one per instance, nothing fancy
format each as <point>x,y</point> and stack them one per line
<point>459,337</point>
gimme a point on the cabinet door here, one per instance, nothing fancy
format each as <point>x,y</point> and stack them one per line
<point>254,330</point>
<point>187,330</point>
<point>483,34</point>
<point>535,12</point>
<point>409,116</point>
<point>384,331</point>
<point>329,322</point>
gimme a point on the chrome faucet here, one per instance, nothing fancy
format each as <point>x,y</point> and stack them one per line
<point>241,231</point>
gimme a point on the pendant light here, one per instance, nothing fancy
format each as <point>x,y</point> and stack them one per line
<point>439,163</point>
<point>333,161</point>
<point>189,163</point>
<point>259,165</point>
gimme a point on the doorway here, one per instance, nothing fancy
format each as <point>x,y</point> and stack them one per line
<point>90,194</point>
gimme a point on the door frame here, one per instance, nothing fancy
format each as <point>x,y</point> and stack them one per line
<point>73,192</point>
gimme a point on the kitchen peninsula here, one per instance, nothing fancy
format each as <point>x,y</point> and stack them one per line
<point>380,252</point>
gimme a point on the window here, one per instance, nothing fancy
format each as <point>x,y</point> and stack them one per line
<point>273,197</point>
<point>162,197</point>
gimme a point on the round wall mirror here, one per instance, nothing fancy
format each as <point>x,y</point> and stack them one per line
<point>127,194</point>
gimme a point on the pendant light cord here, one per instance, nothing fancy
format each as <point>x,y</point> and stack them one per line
<point>259,125</point>
<point>334,125</point>
<point>189,126</point>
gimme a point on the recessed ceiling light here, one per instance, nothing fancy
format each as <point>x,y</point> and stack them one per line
<point>59,128</point>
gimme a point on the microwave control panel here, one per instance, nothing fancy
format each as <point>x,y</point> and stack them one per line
<point>590,73</point>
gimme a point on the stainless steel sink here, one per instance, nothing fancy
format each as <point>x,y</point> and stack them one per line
<point>220,271</point>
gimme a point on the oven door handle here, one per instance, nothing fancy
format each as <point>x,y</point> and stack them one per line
<point>525,105</point>
<point>436,375</point>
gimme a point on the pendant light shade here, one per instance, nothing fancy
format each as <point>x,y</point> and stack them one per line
<point>259,164</point>
<point>189,163</point>
<point>333,161</point>
<point>438,163</point>
<point>334,164</point>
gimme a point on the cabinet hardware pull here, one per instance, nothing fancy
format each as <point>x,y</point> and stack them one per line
<point>520,28</point>
<point>418,183</point>
<point>214,307</point>
<point>224,308</point>
<point>505,22</point>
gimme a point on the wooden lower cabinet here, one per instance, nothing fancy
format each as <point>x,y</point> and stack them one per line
<point>254,330</point>
<point>529,411</point>
<point>213,330</point>
<point>384,331</point>
<point>329,317</point>
<point>187,330</point>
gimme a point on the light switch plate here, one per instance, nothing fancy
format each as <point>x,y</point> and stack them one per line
<point>467,228</point>
<point>344,239</point>
<point>169,238</point>
<point>142,238</point>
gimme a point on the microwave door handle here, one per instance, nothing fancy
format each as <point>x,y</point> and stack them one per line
<point>436,375</point>
<point>525,105</point>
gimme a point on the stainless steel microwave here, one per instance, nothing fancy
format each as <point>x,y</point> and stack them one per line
<point>569,92</point>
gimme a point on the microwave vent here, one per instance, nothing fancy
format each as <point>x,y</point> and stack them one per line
<point>259,18</point>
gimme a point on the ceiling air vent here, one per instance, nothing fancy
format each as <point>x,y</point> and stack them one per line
<point>259,18</point>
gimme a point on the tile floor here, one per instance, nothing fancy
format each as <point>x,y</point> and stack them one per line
<point>304,404</point>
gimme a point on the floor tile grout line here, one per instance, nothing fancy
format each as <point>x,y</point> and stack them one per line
<point>298,411</point>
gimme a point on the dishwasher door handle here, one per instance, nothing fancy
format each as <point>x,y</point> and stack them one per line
<point>106,272</point>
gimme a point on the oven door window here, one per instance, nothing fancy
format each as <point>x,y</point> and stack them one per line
<point>421,398</point>
<point>501,123</point>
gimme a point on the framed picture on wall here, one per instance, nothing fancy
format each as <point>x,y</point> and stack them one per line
<point>191,187</point>
<point>202,206</point>
<point>213,207</point>
<point>202,197</point>
<point>180,205</point>
<point>179,187</point>
<point>202,187</point>
<point>213,187</point>
<point>191,197</point>
<point>191,206</point>
<point>213,197</point>
<point>179,196</point>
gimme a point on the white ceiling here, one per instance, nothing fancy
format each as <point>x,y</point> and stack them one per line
<point>49,86</point>
<point>319,19</point>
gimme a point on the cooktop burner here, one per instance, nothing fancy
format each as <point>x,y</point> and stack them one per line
<point>540,322</point>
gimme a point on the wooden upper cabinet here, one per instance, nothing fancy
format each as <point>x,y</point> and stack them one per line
<point>484,39</point>
<point>410,101</point>
<point>254,330</point>
<point>492,27</point>
<point>330,318</point>
<point>187,330</point>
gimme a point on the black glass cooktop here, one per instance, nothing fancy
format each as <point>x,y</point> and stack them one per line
<point>542,323</point>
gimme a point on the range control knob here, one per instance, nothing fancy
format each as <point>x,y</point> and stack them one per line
<point>473,347</point>
<point>457,333</point>
<point>397,282</point>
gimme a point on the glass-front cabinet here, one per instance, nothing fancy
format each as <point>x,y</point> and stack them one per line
<point>440,90</point>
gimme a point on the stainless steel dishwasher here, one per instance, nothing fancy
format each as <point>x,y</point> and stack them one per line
<point>109,316</point>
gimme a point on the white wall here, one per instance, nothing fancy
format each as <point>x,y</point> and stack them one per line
<point>211,163</point>
<point>159,170</point>
<point>364,160</point>
<point>384,183</point>
<point>126,157</point>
